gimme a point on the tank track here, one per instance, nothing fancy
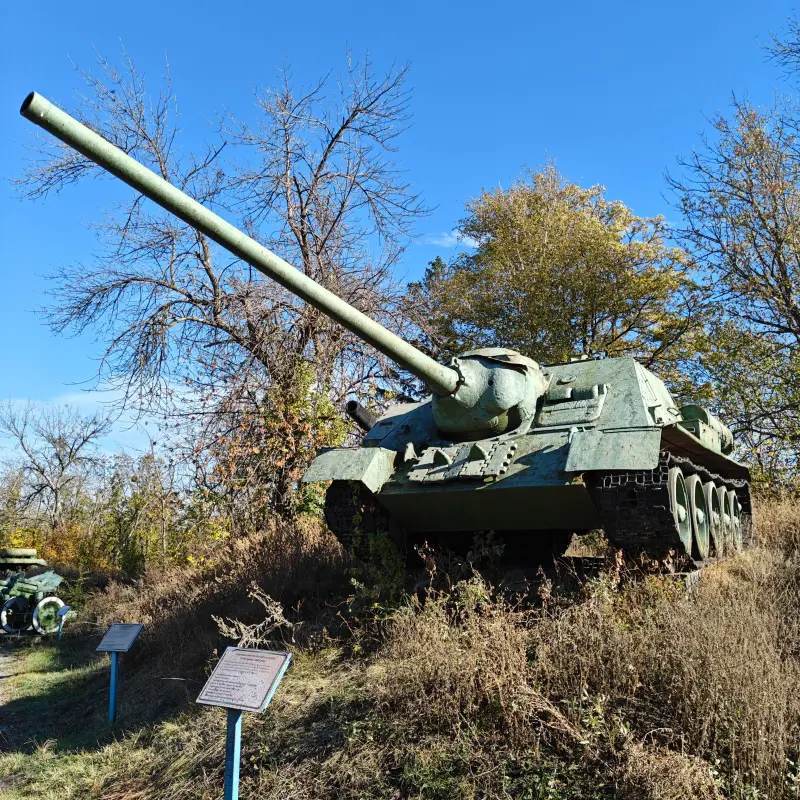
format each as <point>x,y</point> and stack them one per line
<point>353,515</point>
<point>634,507</point>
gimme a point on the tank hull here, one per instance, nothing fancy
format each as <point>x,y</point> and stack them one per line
<point>494,506</point>
<point>598,454</point>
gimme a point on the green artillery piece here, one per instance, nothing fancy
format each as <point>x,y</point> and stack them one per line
<point>19,559</point>
<point>28,602</point>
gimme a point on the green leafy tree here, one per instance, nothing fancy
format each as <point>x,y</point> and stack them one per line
<point>147,516</point>
<point>560,271</point>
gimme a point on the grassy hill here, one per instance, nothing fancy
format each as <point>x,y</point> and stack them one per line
<point>620,685</point>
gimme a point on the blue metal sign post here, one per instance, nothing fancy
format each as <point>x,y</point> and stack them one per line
<point>118,639</point>
<point>62,615</point>
<point>233,754</point>
<point>112,693</point>
<point>243,680</point>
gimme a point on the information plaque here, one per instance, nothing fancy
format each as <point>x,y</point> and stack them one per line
<point>120,638</point>
<point>245,679</point>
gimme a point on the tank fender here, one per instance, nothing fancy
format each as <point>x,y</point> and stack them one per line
<point>373,466</point>
<point>625,449</point>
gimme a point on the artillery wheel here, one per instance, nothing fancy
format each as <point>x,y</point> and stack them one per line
<point>15,616</point>
<point>45,615</point>
<point>716,525</point>
<point>699,515</point>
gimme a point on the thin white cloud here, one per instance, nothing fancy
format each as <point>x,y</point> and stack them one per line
<point>449,239</point>
<point>91,399</point>
<point>126,433</point>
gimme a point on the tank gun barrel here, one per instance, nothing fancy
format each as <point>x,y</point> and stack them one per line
<point>441,380</point>
<point>365,419</point>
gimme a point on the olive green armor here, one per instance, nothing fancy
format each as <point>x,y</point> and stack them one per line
<point>534,452</point>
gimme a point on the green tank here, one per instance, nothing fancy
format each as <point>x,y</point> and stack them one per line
<point>538,453</point>
<point>534,452</point>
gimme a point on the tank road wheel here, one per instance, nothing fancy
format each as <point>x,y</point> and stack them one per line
<point>652,513</point>
<point>736,521</point>
<point>45,615</point>
<point>746,517</point>
<point>15,616</point>
<point>725,515</point>
<point>716,525</point>
<point>679,506</point>
<point>699,515</point>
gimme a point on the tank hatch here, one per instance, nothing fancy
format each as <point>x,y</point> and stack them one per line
<point>565,405</point>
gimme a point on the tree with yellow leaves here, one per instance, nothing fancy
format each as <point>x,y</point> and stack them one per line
<point>560,271</point>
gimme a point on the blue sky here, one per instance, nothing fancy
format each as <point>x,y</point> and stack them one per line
<point>612,91</point>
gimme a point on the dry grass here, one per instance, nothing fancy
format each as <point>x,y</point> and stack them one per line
<point>463,658</point>
<point>637,688</point>
<point>777,517</point>
<point>662,774</point>
<point>299,564</point>
<point>706,673</point>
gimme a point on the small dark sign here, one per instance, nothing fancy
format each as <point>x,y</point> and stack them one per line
<point>120,637</point>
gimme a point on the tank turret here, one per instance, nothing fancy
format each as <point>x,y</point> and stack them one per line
<point>535,453</point>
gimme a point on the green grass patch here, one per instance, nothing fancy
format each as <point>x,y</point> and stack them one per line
<point>56,696</point>
<point>55,739</point>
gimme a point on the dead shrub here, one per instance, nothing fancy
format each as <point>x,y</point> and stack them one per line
<point>291,562</point>
<point>461,659</point>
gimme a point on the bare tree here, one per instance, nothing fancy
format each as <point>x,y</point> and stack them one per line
<point>784,48</point>
<point>55,449</point>
<point>188,329</point>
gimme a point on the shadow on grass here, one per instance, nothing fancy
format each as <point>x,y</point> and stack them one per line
<point>59,695</point>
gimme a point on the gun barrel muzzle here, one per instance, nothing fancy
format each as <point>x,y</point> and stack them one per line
<point>441,380</point>
<point>362,416</point>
